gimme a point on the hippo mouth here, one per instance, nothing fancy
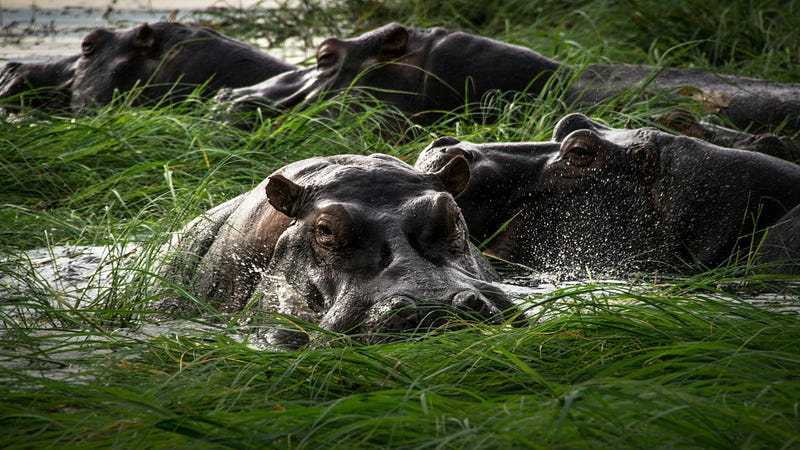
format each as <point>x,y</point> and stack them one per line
<point>273,97</point>
<point>403,314</point>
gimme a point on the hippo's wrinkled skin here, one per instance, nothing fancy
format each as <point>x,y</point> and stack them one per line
<point>42,85</point>
<point>370,244</point>
<point>632,199</point>
<point>413,69</point>
<point>171,59</point>
<point>435,72</point>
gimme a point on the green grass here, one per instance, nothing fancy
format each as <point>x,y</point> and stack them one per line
<point>649,363</point>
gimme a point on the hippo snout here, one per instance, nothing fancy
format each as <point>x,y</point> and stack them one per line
<point>401,313</point>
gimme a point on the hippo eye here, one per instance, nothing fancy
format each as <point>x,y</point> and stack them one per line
<point>326,60</point>
<point>87,47</point>
<point>325,230</point>
<point>580,148</point>
<point>580,155</point>
<point>325,233</point>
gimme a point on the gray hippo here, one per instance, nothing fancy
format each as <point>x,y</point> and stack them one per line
<point>426,73</point>
<point>607,198</point>
<point>170,59</point>
<point>369,244</point>
<point>42,85</point>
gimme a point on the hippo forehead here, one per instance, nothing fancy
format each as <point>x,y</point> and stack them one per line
<point>375,180</point>
<point>373,38</point>
<point>165,30</point>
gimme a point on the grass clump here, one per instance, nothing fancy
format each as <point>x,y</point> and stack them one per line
<point>708,361</point>
<point>622,366</point>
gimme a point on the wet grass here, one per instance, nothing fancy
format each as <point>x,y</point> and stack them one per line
<point>647,363</point>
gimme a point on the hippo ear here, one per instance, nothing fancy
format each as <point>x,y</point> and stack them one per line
<point>455,175</point>
<point>284,195</point>
<point>145,38</point>
<point>395,40</point>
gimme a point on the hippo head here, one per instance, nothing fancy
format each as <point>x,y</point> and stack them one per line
<point>375,246</point>
<point>385,62</point>
<point>169,60</point>
<point>617,198</point>
<point>38,84</point>
<point>424,73</point>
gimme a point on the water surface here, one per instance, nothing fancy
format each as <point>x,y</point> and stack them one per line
<point>44,29</point>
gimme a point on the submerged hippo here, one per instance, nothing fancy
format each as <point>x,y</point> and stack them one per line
<point>170,59</point>
<point>42,85</point>
<point>608,198</point>
<point>366,255</point>
<point>434,71</point>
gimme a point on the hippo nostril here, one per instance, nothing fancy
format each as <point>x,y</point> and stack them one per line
<point>403,308</point>
<point>475,303</point>
<point>445,141</point>
<point>291,339</point>
<point>398,313</point>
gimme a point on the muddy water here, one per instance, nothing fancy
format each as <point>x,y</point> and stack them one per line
<point>32,34</point>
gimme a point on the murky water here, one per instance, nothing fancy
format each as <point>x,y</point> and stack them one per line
<point>44,29</point>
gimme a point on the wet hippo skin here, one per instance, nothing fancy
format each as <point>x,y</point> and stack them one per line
<point>171,59</point>
<point>369,244</point>
<point>427,73</point>
<point>42,85</point>
<point>604,198</point>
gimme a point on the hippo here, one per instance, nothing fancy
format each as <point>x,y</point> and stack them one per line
<point>427,73</point>
<point>169,59</point>
<point>626,199</point>
<point>364,255</point>
<point>42,85</point>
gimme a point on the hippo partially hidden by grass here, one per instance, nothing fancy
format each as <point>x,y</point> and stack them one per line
<point>168,60</point>
<point>41,85</point>
<point>426,73</point>
<point>369,244</point>
<point>604,198</point>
